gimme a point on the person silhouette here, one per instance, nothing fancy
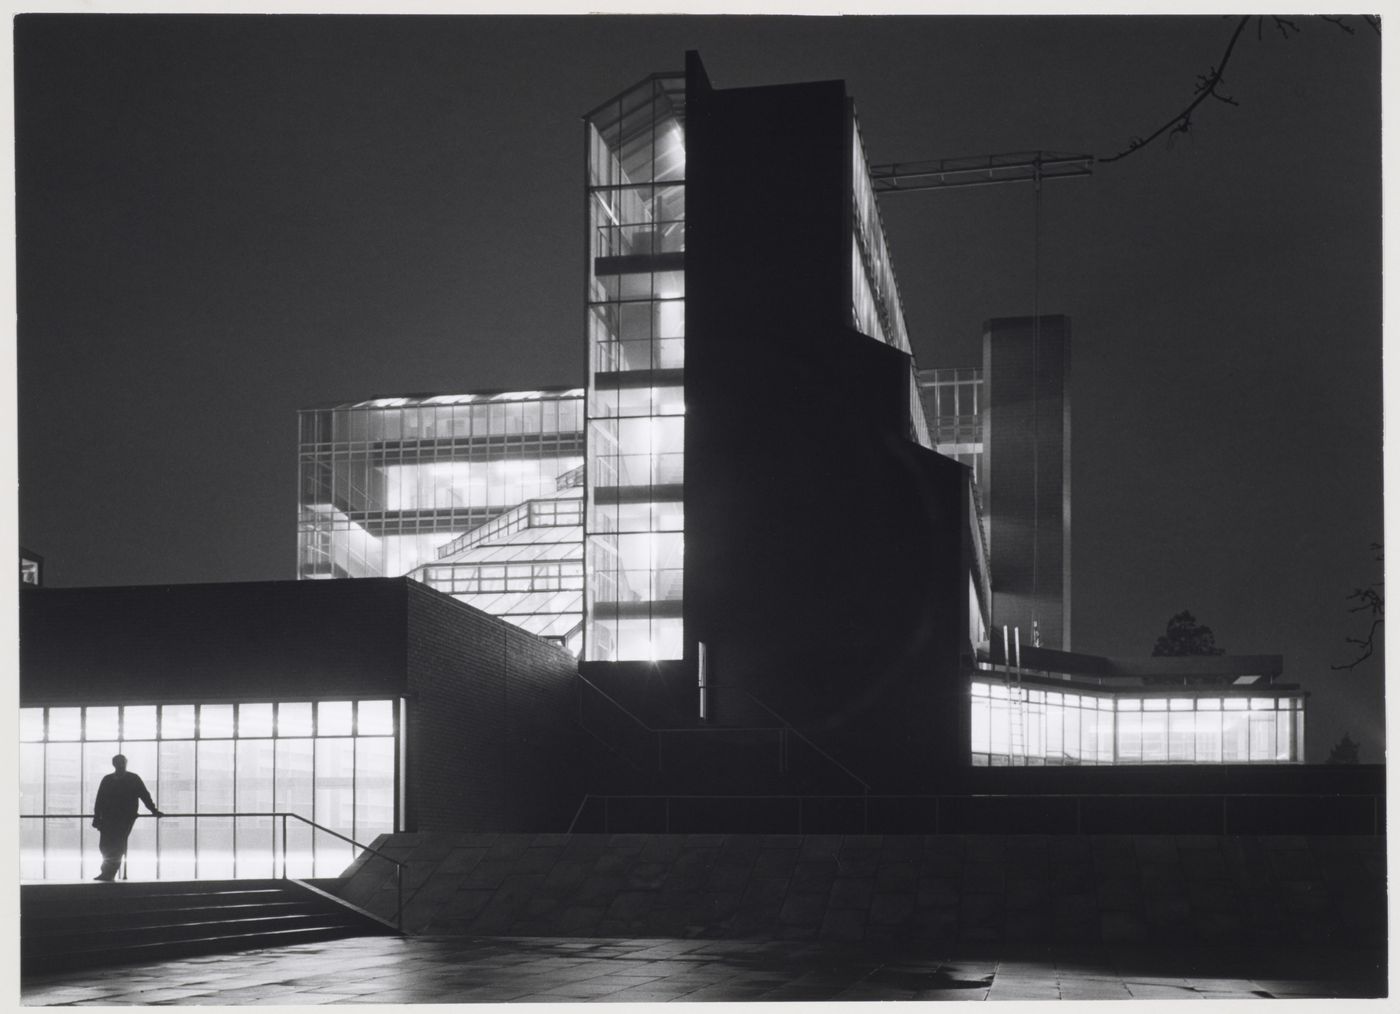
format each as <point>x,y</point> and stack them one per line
<point>114,813</point>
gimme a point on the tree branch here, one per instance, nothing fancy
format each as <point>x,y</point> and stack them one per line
<point>1207,84</point>
<point>1370,600</point>
<point>1367,645</point>
<point>1205,88</point>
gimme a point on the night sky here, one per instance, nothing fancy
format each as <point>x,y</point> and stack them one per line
<point>222,220</point>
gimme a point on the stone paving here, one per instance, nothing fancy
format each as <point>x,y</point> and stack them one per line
<point>569,969</point>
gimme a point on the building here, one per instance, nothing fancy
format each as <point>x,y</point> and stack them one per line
<point>1059,708</point>
<point>364,706</point>
<point>760,477</point>
<point>761,512</point>
<point>741,521</point>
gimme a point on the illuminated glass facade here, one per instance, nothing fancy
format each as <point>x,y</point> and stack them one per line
<point>635,518</point>
<point>876,309</point>
<point>1036,725</point>
<point>333,762</point>
<point>399,486</point>
<point>525,566</point>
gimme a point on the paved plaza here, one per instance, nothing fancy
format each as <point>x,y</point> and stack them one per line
<point>564,969</point>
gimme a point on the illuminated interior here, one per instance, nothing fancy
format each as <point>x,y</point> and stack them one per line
<point>636,398</point>
<point>394,486</point>
<point>525,566</point>
<point>333,762</point>
<point>1039,726</point>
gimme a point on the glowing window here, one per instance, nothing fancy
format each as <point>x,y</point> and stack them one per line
<point>139,722</point>
<point>254,720</point>
<point>294,719</point>
<point>376,718</point>
<point>31,725</point>
<point>65,724</point>
<point>216,721</point>
<point>101,724</point>
<point>334,718</point>
<point>177,721</point>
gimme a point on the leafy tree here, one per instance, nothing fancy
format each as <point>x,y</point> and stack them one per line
<point>1345,751</point>
<point>1185,636</point>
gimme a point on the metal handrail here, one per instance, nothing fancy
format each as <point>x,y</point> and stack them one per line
<point>865,786</point>
<point>275,814</point>
<point>616,704</point>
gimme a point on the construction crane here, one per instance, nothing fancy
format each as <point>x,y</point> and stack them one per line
<point>978,171</point>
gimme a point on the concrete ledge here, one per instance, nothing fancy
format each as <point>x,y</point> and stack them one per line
<point>1089,889</point>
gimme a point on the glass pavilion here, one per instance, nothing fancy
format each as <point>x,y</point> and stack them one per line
<point>1066,708</point>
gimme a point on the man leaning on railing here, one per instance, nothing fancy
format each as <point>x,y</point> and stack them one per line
<point>114,813</point>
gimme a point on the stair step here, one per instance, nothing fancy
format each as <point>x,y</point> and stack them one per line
<point>163,950</point>
<point>84,925</point>
<point>178,905</point>
<point>128,935</point>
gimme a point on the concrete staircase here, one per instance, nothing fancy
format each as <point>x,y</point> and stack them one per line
<point>65,926</point>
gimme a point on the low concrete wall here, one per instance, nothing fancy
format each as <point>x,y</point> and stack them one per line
<point>1176,889</point>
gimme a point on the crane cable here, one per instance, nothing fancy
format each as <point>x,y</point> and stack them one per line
<point>1035,418</point>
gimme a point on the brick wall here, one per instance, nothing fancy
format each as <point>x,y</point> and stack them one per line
<point>1109,889</point>
<point>491,738</point>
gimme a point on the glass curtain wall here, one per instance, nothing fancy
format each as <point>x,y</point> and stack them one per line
<point>1027,725</point>
<point>332,762</point>
<point>634,522</point>
<point>385,483</point>
<point>876,309</point>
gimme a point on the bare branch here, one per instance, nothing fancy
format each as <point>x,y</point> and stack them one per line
<point>1367,645</point>
<point>1284,26</point>
<point>1206,85</point>
<point>1339,23</point>
<point>1372,600</point>
<point>1374,21</point>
